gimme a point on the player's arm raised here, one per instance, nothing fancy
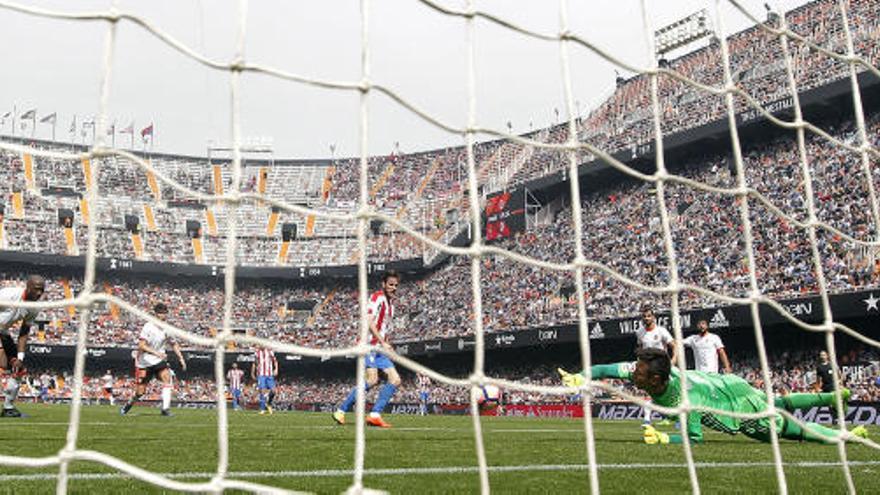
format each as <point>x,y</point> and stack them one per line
<point>274,365</point>
<point>597,372</point>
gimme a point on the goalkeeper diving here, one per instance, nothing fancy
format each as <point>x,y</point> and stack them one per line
<point>653,373</point>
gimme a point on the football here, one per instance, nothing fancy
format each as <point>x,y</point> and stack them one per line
<point>490,397</point>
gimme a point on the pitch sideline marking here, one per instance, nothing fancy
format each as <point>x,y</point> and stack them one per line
<point>312,427</point>
<point>328,473</point>
<point>535,430</point>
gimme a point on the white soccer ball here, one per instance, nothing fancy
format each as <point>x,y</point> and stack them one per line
<point>490,397</point>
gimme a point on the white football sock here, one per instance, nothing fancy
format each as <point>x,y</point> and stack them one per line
<point>166,397</point>
<point>10,392</point>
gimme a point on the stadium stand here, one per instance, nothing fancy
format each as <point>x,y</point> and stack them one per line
<point>620,224</point>
<point>621,230</point>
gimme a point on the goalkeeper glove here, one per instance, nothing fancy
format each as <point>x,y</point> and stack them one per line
<point>570,379</point>
<point>652,436</point>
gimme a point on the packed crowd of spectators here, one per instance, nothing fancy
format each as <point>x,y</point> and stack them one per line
<point>791,371</point>
<point>621,230</point>
<point>418,187</point>
<point>757,67</point>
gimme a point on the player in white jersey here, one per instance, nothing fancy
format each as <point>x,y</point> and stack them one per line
<point>424,384</point>
<point>107,384</point>
<point>653,336</point>
<point>234,376</point>
<point>708,348</point>
<point>45,382</point>
<point>12,357</point>
<point>380,313</point>
<point>151,362</point>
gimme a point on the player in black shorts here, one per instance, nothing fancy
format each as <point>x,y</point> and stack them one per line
<point>151,362</point>
<point>825,380</point>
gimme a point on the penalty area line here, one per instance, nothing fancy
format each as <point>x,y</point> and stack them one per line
<point>326,473</point>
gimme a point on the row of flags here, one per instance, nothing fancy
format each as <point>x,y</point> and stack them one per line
<point>88,123</point>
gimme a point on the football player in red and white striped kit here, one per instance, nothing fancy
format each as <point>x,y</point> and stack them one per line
<point>264,370</point>
<point>234,376</point>
<point>380,312</point>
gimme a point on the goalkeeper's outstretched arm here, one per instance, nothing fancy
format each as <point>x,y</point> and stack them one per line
<point>597,372</point>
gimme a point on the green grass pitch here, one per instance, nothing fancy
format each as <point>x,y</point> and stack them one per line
<point>433,454</point>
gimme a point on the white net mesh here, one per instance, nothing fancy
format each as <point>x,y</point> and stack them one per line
<point>231,200</point>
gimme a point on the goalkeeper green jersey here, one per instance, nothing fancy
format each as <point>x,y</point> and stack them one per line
<point>723,392</point>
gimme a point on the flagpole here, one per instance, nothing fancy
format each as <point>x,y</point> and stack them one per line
<point>14,118</point>
<point>54,123</point>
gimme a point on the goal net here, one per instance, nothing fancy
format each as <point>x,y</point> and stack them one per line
<point>844,51</point>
